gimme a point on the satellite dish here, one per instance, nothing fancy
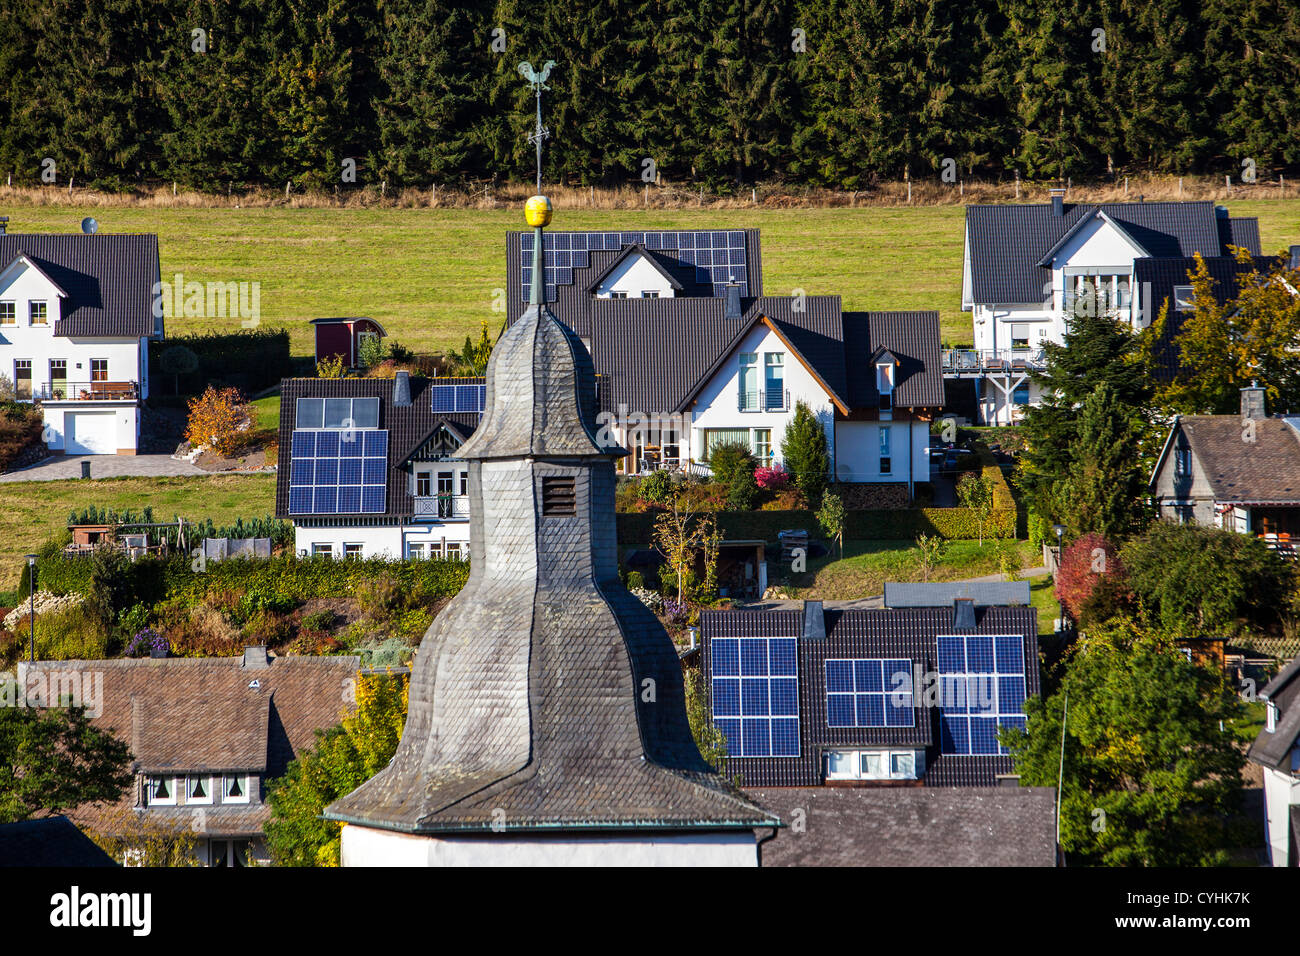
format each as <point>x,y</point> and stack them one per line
<point>89,226</point>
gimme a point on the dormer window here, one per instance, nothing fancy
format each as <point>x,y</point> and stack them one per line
<point>198,789</point>
<point>234,788</point>
<point>160,791</point>
<point>1184,298</point>
<point>38,313</point>
<point>1270,716</point>
<point>885,384</point>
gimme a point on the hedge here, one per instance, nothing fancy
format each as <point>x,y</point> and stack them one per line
<point>889,524</point>
<point>283,577</point>
<point>251,359</point>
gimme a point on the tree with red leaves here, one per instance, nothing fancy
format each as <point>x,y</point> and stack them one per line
<point>1090,563</point>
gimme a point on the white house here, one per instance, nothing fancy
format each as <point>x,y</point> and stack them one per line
<point>368,466</point>
<point>76,317</point>
<point>1027,268</point>
<point>1277,751</point>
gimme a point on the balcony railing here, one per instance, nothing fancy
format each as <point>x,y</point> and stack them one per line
<point>974,361</point>
<point>442,507</point>
<point>87,392</point>
<point>771,399</point>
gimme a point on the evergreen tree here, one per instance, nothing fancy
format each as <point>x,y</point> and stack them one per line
<point>805,454</point>
<point>1106,482</point>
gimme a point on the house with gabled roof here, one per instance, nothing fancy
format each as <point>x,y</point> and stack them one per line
<point>207,735</point>
<point>691,354</point>
<point>1277,751</point>
<point>914,696</point>
<point>1028,267</point>
<point>77,313</point>
<point>1237,472</point>
<point>368,467</point>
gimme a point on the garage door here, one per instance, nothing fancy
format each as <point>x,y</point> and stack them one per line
<point>91,433</point>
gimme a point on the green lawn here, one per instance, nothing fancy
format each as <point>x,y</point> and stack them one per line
<point>867,565</point>
<point>33,511</point>
<point>267,412</point>
<point>1042,595</point>
<point>429,275</point>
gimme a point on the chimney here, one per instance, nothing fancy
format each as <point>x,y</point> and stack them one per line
<point>1058,202</point>
<point>255,658</point>
<point>733,300</point>
<point>1295,257</point>
<point>402,389</point>
<point>963,614</point>
<point>1252,402</point>
<point>814,621</point>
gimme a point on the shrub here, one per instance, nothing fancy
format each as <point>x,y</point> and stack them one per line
<point>729,459</point>
<point>371,351</point>
<point>19,429</point>
<point>658,487</point>
<point>321,620</point>
<point>206,633</point>
<point>1084,562</point>
<point>145,642</point>
<point>805,452</point>
<point>635,581</point>
<point>332,366</point>
<point>269,628</point>
<point>773,479</point>
<point>219,419</point>
<point>742,492</point>
<point>67,636</point>
<point>380,596</point>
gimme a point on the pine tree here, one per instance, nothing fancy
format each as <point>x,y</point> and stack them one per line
<point>805,454</point>
<point>1104,487</point>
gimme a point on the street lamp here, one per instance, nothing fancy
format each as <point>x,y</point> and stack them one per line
<point>31,587</point>
<point>1059,531</point>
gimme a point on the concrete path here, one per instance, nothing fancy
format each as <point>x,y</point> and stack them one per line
<point>103,466</point>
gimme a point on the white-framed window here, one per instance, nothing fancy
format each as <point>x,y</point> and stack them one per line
<point>99,370</point>
<point>749,401</point>
<point>649,293</point>
<point>231,853</point>
<point>38,313</point>
<point>618,295</point>
<point>160,791</point>
<point>883,764</point>
<point>234,788</point>
<point>1184,298</point>
<point>423,484</point>
<point>22,378</point>
<point>453,551</point>
<point>774,381</point>
<point>435,550</point>
<point>762,444</point>
<point>886,444</point>
<point>198,789</point>
<point>415,551</point>
<point>322,548</point>
<point>1270,716</point>
<point>8,313</point>
<point>885,385</point>
<point>352,551</point>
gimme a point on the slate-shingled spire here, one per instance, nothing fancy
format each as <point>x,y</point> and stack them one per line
<point>544,696</point>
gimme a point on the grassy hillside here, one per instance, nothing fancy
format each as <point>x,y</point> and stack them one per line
<point>429,275</point>
<point>33,511</point>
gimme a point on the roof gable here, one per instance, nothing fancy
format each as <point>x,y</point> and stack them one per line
<point>1096,215</point>
<point>22,263</point>
<point>629,254</point>
<point>1266,470</point>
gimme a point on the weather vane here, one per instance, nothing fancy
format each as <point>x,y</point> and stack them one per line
<point>538,82</point>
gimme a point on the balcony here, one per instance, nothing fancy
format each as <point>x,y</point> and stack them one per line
<point>981,361</point>
<point>770,399</point>
<point>442,507</point>
<point>88,392</point>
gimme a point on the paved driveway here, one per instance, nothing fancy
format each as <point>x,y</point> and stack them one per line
<point>103,466</point>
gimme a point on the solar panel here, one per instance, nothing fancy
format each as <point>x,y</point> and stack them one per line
<point>869,692</point>
<point>459,398</point>
<point>982,688</point>
<point>755,695</point>
<point>332,472</point>
<point>721,256</point>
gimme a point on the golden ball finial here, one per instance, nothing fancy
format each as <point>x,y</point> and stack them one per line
<point>537,211</point>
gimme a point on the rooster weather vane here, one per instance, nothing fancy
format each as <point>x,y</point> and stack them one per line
<point>538,83</point>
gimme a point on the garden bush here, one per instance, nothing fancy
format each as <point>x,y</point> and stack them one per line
<point>728,459</point>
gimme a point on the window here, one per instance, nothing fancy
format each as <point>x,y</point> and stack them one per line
<point>99,370</point>
<point>982,684</point>
<point>885,385</point>
<point>774,381</point>
<point>464,483</point>
<point>762,445</point>
<point>755,695</point>
<point>869,693</point>
<point>229,853</point>
<point>873,765</point>
<point>453,550</point>
<point>318,548</point>
<point>22,378</point>
<point>340,413</point>
<point>423,484</point>
<point>1019,336</point>
<point>713,437</point>
<point>160,791</point>
<point>1184,298</point>
<point>1187,653</point>
<point>749,381</point>
<point>435,550</point>
<point>1182,462</point>
<point>1270,716</point>
<point>58,377</point>
<point>8,313</point>
<point>559,498</point>
<point>234,788</point>
<point>198,789</point>
<point>902,764</point>
<point>618,295</point>
<point>415,550</point>
<point>352,552</point>
<point>885,456</point>
<point>649,294</point>
<point>1020,394</point>
<point>38,313</point>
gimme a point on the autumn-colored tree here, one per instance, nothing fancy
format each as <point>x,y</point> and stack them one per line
<point>1085,562</point>
<point>219,418</point>
<point>681,538</point>
<point>344,758</point>
<point>929,549</point>
<point>139,840</point>
<point>331,366</point>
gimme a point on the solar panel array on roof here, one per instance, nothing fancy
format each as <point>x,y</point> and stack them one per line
<point>756,695</point>
<point>869,693</point>
<point>717,255</point>
<point>338,472</point>
<point>982,683</point>
<point>458,398</point>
